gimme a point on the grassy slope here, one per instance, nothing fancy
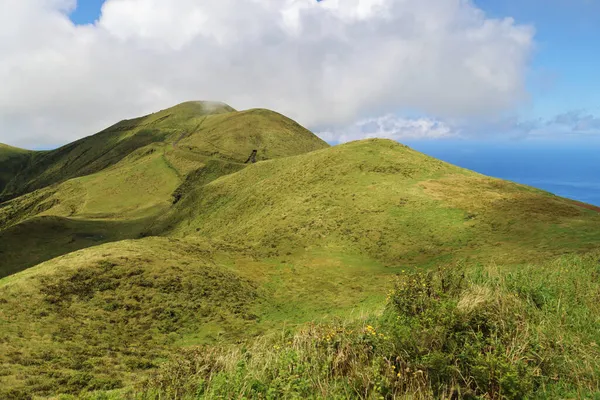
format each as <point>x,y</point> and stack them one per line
<point>97,152</point>
<point>201,128</point>
<point>12,160</point>
<point>90,319</point>
<point>484,332</point>
<point>140,165</point>
<point>382,200</point>
<point>292,240</point>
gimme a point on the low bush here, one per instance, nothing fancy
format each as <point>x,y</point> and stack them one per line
<point>446,334</point>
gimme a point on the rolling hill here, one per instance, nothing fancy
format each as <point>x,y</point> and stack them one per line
<point>106,187</point>
<point>199,128</point>
<point>12,160</point>
<point>381,199</point>
<point>155,235</point>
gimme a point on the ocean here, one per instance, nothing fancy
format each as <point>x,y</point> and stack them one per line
<point>567,170</point>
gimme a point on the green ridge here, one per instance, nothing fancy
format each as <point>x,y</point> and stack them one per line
<point>384,200</point>
<point>110,185</point>
<point>12,161</point>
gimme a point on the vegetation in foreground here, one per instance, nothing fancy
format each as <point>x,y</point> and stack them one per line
<point>472,333</point>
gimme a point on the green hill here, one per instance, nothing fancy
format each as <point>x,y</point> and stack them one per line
<point>385,200</point>
<point>95,318</point>
<point>217,270</point>
<point>12,160</point>
<point>192,130</point>
<point>106,187</point>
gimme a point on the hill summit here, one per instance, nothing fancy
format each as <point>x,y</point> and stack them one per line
<point>192,129</point>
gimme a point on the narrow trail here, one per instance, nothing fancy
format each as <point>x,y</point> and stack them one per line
<point>588,206</point>
<point>184,134</point>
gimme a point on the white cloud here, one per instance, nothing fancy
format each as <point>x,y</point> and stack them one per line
<point>326,63</point>
<point>391,127</point>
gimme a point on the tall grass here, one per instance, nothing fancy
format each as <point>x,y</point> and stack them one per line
<point>488,333</point>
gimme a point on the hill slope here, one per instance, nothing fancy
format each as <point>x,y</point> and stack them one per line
<point>205,128</point>
<point>90,320</point>
<point>382,199</point>
<point>308,233</point>
<point>108,186</point>
<point>12,160</point>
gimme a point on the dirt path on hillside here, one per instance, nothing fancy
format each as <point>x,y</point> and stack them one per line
<point>587,206</point>
<point>185,134</point>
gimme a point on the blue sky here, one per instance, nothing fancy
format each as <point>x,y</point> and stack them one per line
<point>564,73</point>
<point>87,11</point>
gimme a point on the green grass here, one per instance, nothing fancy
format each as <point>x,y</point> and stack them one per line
<point>196,128</point>
<point>12,160</point>
<point>102,317</point>
<point>108,186</point>
<point>380,199</point>
<point>486,332</point>
<point>246,258</point>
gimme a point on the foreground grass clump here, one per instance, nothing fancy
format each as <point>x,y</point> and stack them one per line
<point>451,333</point>
<point>101,318</point>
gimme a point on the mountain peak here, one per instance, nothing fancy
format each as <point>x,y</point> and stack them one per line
<point>200,107</point>
<point>5,148</point>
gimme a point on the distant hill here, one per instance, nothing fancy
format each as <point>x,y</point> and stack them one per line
<point>12,161</point>
<point>192,129</point>
<point>108,186</point>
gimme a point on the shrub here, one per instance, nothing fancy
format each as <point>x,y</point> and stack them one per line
<point>448,333</point>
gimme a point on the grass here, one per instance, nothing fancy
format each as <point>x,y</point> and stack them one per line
<point>387,202</point>
<point>197,128</point>
<point>12,160</point>
<point>487,332</point>
<point>108,186</point>
<point>102,317</point>
<point>226,264</point>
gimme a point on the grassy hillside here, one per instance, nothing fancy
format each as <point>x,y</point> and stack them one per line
<point>108,186</point>
<point>383,200</point>
<point>12,160</point>
<point>159,318</point>
<point>93,319</point>
<point>485,332</point>
<point>270,279</point>
<point>198,128</point>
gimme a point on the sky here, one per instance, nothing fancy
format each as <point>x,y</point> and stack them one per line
<point>435,70</point>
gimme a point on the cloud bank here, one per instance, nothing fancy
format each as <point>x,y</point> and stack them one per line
<point>326,64</point>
